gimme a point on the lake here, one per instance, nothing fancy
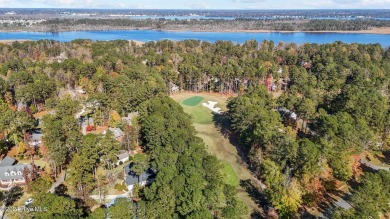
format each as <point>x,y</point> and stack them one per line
<point>154,35</point>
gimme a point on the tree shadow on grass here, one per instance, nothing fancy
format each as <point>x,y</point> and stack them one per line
<point>386,159</point>
<point>328,206</point>
<point>386,153</point>
<point>222,122</point>
<point>257,195</point>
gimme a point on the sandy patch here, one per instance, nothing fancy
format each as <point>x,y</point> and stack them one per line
<point>211,105</point>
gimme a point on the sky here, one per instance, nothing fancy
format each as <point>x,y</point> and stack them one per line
<point>199,4</point>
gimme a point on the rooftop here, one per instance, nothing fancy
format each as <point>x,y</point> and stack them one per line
<point>7,161</point>
<point>122,154</point>
<point>8,169</point>
<point>117,132</point>
<point>131,178</point>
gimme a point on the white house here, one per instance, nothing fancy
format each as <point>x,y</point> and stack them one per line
<point>11,173</point>
<point>123,156</point>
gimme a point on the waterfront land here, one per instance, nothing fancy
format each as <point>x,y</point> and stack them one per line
<point>142,127</point>
<point>47,20</point>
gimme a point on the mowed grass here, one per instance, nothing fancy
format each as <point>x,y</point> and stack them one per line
<point>233,169</point>
<point>192,105</point>
<point>192,101</point>
<point>230,175</point>
<point>199,114</point>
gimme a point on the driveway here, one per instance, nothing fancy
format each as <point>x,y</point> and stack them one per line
<point>111,197</point>
<point>58,182</point>
<point>367,163</point>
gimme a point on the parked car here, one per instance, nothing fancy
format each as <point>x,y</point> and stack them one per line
<point>28,202</point>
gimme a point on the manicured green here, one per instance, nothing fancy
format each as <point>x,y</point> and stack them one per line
<point>192,101</point>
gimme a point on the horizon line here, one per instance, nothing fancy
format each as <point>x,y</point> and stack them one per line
<point>211,9</point>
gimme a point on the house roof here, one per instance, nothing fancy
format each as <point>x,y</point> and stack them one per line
<point>7,161</point>
<point>36,137</point>
<point>122,154</point>
<point>131,178</point>
<point>14,168</point>
<point>117,132</point>
<point>129,117</point>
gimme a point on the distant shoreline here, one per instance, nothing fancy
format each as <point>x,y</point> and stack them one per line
<point>383,30</point>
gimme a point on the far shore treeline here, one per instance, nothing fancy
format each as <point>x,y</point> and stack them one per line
<point>211,25</point>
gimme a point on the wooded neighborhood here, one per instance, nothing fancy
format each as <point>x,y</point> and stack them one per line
<point>93,130</point>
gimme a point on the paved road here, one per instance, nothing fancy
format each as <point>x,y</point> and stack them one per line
<point>111,197</point>
<point>342,203</point>
<point>58,182</point>
<point>373,166</point>
<point>2,212</point>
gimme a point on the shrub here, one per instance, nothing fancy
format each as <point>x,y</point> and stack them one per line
<point>120,187</point>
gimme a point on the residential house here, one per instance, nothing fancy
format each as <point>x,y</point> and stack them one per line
<point>11,173</point>
<point>305,64</point>
<point>174,88</point>
<point>35,138</point>
<point>129,117</point>
<point>287,113</point>
<point>117,132</point>
<point>131,178</point>
<point>122,156</point>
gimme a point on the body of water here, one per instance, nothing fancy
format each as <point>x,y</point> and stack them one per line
<point>201,17</point>
<point>154,35</point>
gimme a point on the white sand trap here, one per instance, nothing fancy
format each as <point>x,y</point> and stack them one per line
<point>211,105</point>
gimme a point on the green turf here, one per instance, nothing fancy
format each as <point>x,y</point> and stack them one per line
<point>231,177</point>
<point>199,114</point>
<point>192,101</point>
<point>232,169</point>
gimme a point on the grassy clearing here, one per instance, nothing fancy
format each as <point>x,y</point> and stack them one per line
<point>192,101</point>
<point>217,144</point>
<point>199,114</point>
<point>231,177</point>
<point>377,158</point>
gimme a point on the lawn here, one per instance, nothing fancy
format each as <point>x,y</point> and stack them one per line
<point>192,105</point>
<point>378,158</point>
<point>233,168</point>
<point>231,177</point>
<point>199,114</point>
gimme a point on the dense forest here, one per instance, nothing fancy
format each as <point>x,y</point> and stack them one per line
<point>339,94</point>
<point>241,24</point>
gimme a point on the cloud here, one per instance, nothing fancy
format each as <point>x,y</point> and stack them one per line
<point>69,4</point>
<point>199,5</point>
<point>342,4</point>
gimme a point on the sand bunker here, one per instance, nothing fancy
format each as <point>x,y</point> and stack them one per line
<point>211,105</point>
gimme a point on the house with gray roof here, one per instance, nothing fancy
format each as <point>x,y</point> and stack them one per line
<point>116,132</point>
<point>36,138</point>
<point>131,178</point>
<point>122,156</point>
<point>11,173</point>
